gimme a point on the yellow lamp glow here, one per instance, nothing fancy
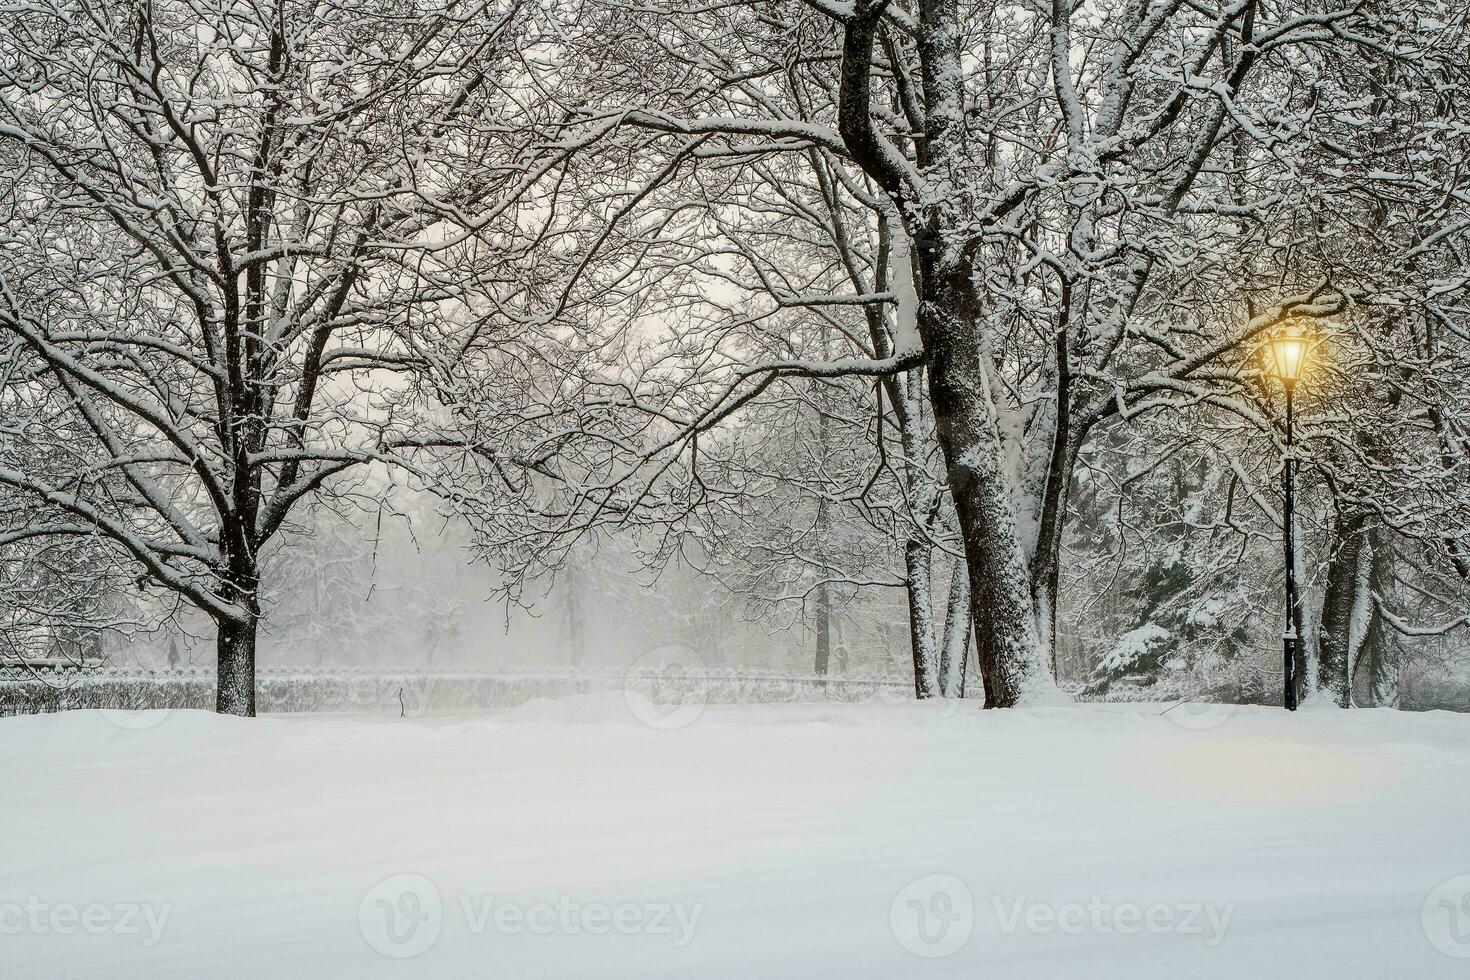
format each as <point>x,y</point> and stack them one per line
<point>1287,355</point>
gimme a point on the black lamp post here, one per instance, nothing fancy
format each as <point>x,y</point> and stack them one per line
<point>1286,356</point>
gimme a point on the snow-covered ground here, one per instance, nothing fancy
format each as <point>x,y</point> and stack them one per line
<point>573,839</point>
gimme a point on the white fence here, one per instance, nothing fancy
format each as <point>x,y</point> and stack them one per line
<point>417,692</point>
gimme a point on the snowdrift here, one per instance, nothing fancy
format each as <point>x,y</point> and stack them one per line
<point>604,837</point>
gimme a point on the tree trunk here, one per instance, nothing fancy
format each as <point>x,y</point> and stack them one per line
<point>1379,665</point>
<point>1010,658</point>
<point>1339,597</point>
<point>843,654</point>
<point>908,403</point>
<point>1379,671</point>
<point>1052,475</point>
<point>576,633</point>
<point>1306,670</point>
<point>921,617</point>
<point>956,645</point>
<point>235,672</point>
<point>1046,563</point>
<point>235,639</point>
<point>964,395</point>
<point>824,629</point>
<point>967,402</point>
<point>1353,648</point>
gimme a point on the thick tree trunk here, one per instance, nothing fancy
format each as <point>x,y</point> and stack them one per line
<point>1353,648</point>
<point>1339,597</point>
<point>967,397</point>
<point>966,404</point>
<point>235,639</point>
<point>1379,665</point>
<point>1010,657</point>
<point>235,671</point>
<point>1012,668</point>
<point>1377,680</point>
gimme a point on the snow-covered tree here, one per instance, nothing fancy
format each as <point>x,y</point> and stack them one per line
<point>237,238</point>
<point>1052,188</point>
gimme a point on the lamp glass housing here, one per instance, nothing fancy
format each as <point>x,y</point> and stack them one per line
<point>1287,355</point>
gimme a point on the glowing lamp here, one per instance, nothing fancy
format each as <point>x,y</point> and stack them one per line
<point>1285,355</point>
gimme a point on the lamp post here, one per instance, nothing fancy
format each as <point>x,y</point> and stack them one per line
<point>1286,355</point>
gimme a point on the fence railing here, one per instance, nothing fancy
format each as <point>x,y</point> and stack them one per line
<point>27,690</point>
<point>416,692</point>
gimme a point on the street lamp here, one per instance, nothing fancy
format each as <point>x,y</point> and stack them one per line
<point>1285,356</point>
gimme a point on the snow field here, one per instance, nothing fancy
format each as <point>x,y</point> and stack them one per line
<point>573,839</point>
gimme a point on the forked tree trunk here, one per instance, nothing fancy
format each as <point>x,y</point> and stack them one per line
<point>1010,656</point>
<point>1012,666</point>
<point>1380,669</point>
<point>1352,643</point>
<point>963,391</point>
